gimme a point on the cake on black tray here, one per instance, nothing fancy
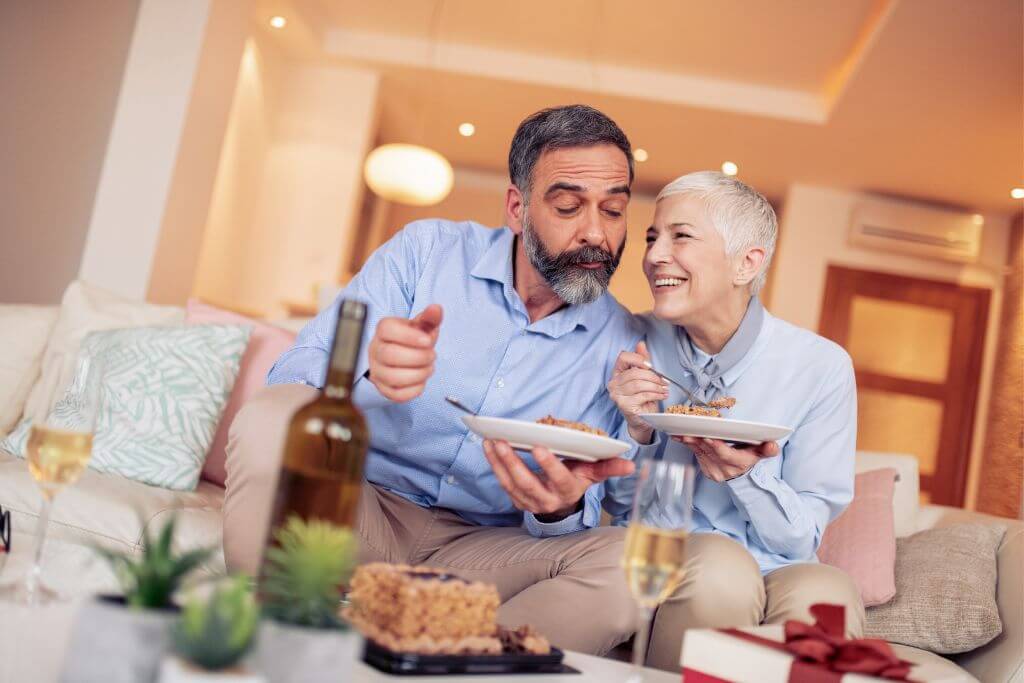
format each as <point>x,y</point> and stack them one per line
<point>431,612</point>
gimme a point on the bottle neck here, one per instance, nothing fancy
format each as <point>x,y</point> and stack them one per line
<point>344,356</point>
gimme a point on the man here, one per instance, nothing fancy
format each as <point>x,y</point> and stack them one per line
<point>514,322</point>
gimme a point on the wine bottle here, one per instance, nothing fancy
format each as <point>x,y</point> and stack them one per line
<point>325,448</point>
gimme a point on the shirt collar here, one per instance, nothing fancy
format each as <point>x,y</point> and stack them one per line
<point>496,262</point>
<point>736,371</point>
<point>496,265</point>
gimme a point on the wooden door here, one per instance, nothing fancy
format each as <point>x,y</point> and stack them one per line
<point>916,346</point>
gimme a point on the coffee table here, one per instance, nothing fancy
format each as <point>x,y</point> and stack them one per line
<point>33,641</point>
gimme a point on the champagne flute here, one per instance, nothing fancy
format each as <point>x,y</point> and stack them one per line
<point>656,542</point>
<point>58,450</point>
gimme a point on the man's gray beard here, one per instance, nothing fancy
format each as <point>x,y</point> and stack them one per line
<point>572,284</point>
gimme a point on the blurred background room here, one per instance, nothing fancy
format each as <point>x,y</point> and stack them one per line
<point>218,149</point>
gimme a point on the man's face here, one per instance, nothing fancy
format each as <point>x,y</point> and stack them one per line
<point>574,226</point>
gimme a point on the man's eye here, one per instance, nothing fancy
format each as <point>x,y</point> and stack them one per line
<point>566,211</point>
<point>680,235</point>
<point>613,213</point>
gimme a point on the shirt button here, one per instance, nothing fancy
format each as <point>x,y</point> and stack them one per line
<point>500,383</point>
<point>474,438</point>
<point>450,479</point>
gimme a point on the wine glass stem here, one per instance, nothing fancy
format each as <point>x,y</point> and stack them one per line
<point>32,579</point>
<point>640,643</point>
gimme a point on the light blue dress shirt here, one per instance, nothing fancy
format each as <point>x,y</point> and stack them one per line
<point>779,508</point>
<point>489,355</point>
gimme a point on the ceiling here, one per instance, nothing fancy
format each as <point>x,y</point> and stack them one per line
<point>916,98</point>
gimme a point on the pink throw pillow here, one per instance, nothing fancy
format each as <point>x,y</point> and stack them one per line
<point>862,540</point>
<point>266,344</point>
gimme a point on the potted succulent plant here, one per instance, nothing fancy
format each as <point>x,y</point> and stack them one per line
<point>124,638</point>
<point>304,638</point>
<point>212,636</point>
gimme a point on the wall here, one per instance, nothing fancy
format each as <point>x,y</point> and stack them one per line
<point>61,64</point>
<point>230,243</point>
<point>289,184</point>
<point>814,234</point>
<point>1002,469</point>
<point>196,164</point>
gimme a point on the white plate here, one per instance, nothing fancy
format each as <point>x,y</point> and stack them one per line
<point>722,428</point>
<point>568,443</point>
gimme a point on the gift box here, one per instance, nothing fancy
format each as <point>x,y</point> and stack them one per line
<point>799,653</point>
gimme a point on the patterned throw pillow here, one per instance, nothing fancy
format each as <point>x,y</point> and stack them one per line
<point>163,391</point>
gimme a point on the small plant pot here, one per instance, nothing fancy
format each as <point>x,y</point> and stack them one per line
<point>176,670</point>
<point>114,643</point>
<point>294,654</point>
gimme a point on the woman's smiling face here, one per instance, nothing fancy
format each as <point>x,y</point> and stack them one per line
<point>685,263</point>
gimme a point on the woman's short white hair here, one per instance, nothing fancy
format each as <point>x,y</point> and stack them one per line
<point>740,213</point>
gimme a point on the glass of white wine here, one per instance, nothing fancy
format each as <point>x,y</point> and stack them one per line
<point>656,542</point>
<point>58,450</point>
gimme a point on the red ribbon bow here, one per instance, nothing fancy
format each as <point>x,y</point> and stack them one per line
<point>823,655</point>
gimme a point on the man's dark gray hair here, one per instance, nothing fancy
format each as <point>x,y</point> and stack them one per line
<point>575,125</point>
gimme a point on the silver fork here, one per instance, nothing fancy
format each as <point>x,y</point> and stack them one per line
<point>693,399</point>
<point>458,404</point>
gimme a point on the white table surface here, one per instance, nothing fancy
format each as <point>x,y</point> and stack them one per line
<point>33,641</point>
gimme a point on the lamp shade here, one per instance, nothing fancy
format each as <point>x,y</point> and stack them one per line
<point>408,174</point>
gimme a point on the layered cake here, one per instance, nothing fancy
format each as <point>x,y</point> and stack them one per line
<point>568,424</point>
<point>683,409</point>
<point>423,610</point>
<point>712,409</point>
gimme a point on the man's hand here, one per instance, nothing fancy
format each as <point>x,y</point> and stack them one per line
<point>402,354</point>
<point>719,462</point>
<point>557,491</point>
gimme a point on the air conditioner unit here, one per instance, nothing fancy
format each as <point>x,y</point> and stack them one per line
<point>921,231</point>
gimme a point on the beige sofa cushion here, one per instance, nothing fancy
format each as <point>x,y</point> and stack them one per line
<point>932,667</point>
<point>945,590</point>
<point>23,334</point>
<point>85,309</point>
<point>110,510</point>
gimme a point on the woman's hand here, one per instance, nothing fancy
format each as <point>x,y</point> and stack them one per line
<point>720,462</point>
<point>636,389</point>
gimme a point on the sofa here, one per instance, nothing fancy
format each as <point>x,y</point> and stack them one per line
<point>112,511</point>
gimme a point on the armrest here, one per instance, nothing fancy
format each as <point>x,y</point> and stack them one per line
<point>1003,658</point>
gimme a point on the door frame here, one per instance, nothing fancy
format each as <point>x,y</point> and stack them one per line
<point>948,484</point>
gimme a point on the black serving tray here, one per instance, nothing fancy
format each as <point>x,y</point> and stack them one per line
<point>412,664</point>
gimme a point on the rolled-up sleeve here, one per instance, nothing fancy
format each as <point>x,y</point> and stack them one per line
<point>386,283</point>
<point>787,515</point>
<point>587,518</point>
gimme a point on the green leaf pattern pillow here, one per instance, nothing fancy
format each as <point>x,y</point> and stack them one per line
<point>163,391</point>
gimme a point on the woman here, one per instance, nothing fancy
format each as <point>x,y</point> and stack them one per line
<point>759,513</point>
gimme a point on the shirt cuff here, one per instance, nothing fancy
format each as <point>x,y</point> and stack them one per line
<point>299,366</point>
<point>754,488</point>
<point>649,450</point>
<point>587,518</point>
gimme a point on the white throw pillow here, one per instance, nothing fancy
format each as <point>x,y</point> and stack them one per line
<point>84,309</point>
<point>23,334</point>
<point>163,390</point>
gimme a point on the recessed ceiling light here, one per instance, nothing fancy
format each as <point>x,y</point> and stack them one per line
<point>278,22</point>
<point>978,219</point>
<point>1017,193</point>
<point>466,129</point>
<point>729,168</point>
<point>640,154</point>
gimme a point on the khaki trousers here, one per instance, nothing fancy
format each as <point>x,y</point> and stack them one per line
<point>723,587</point>
<point>572,588</point>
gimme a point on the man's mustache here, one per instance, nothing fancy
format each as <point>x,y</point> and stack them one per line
<point>585,254</point>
